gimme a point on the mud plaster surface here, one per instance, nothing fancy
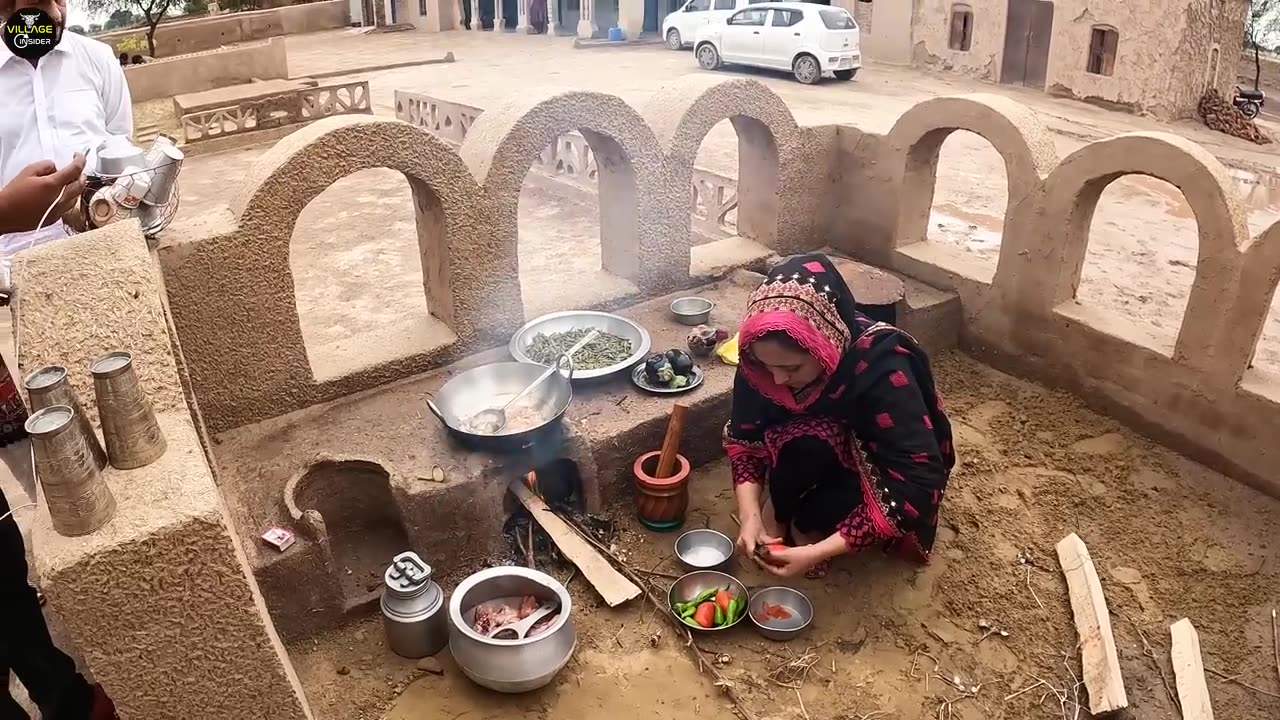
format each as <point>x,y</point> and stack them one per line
<point>1170,539</point>
<point>127,312</point>
<point>356,262</point>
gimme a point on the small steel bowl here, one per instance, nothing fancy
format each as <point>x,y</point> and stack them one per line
<point>689,586</point>
<point>793,600</point>
<point>704,549</point>
<point>692,310</point>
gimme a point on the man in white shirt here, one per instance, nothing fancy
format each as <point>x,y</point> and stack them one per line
<point>66,102</point>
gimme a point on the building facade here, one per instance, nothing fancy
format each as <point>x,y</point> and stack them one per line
<point>1150,56</point>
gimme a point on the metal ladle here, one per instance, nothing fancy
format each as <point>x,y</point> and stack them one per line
<point>492,421</point>
<point>521,628</point>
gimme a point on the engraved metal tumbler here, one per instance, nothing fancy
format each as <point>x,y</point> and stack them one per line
<point>129,426</point>
<point>49,386</point>
<point>78,498</point>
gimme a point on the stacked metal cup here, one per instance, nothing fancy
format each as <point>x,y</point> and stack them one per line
<point>78,498</point>
<point>49,386</point>
<point>129,426</point>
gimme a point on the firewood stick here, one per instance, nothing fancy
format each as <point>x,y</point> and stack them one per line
<point>671,443</point>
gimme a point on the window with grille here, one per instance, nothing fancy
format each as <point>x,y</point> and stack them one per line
<point>1102,50</point>
<point>961,28</point>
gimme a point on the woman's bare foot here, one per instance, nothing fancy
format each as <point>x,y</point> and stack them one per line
<point>819,571</point>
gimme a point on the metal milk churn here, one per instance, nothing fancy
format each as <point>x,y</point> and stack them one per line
<point>413,610</point>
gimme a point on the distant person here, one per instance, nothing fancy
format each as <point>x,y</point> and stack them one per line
<point>26,649</point>
<point>138,60</point>
<point>74,99</point>
<point>124,59</point>
<point>538,16</point>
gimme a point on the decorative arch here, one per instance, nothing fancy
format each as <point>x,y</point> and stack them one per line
<point>1256,290</point>
<point>1013,129</point>
<point>683,112</point>
<point>247,357</point>
<point>636,217</point>
<point>1226,307</point>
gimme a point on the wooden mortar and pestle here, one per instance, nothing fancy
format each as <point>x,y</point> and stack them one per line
<point>662,479</point>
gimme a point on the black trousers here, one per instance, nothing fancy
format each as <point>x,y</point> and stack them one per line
<point>810,488</point>
<point>26,649</point>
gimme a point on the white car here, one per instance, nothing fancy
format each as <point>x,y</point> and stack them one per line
<point>808,39</point>
<point>680,26</point>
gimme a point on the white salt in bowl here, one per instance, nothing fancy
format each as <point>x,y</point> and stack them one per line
<point>704,549</point>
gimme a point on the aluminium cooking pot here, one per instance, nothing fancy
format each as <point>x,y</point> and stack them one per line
<point>490,386</point>
<point>510,666</point>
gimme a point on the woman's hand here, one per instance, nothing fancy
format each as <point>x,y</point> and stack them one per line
<point>791,561</point>
<point>752,534</point>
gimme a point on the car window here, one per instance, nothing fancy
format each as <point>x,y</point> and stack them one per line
<point>697,5</point>
<point>837,19</point>
<point>786,18</point>
<point>725,4</point>
<point>754,16</point>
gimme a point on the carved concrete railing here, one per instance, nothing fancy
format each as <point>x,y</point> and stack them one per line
<point>304,105</point>
<point>325,100</point>
<point>570,160</point>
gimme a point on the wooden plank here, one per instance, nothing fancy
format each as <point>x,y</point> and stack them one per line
<point>1098,656</point>
<point>1188,671</point>
<point>612,585</point>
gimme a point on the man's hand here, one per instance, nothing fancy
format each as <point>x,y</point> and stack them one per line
<point>36,187</point>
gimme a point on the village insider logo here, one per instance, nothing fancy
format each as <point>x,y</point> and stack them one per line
<point>30,34</point>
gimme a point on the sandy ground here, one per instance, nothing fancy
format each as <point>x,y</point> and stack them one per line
<point>1170,539</point>
<point>1140,262</point>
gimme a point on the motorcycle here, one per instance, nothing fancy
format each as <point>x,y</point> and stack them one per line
<point>1249,102</point>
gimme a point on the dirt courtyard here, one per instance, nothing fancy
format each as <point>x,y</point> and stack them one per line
<point>356,242</point>
<point>1170,540</point>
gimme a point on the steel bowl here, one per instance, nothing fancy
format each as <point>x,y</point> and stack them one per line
<point>789,598</point>
<point>578,319</point>
<point>510,666</point>
<point>489,386</point>
<point>689,586</point>
<point>692,310</point>
<point>704,549</point>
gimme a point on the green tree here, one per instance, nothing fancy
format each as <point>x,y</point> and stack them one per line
<point>120,18</point>
<point>1260,30</point>
<point>195,7</point>
<point>152,11</point>
<point>95,28</point>
<point>77,29</point>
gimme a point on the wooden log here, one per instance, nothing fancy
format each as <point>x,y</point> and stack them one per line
<point>612,585</point>
<point>1098,657</point>
<point>1188,671</point>
<point>671,442</point>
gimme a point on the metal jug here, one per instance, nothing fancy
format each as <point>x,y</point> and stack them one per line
<point>413,609</point>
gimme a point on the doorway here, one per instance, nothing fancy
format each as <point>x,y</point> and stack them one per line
<point>1026,43</point>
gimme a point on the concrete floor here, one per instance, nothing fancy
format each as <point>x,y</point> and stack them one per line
<point>1140,262</point>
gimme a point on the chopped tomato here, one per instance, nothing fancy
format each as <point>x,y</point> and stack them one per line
<point>705,615</point>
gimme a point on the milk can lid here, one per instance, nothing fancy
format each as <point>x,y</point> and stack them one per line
<point>408,572</point>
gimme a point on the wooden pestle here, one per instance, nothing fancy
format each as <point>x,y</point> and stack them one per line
<point>671,443</point>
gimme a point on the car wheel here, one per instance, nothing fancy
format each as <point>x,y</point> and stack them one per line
<point>807,70</point>
<point>845,74</point>
<point>708,57</point>
<point>673,39</point>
